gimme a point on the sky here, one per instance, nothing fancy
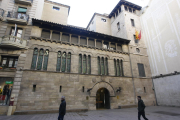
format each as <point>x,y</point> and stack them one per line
<point>81,11</point>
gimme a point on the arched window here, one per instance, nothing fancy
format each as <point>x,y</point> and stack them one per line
<point>63,62</point>
<point>102,66</point>
<point>63,69</point>
<point>69,62</point>
<point>40,59</point>
<point>46,56</point>
<point>58,66</point>
<point>118,67</point>
<point>84,64</point>
<point>89,64</point>
<point>99,66</point>
<point>80,63</point>
<point>34,59</point>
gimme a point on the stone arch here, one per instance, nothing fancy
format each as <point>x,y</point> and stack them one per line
<point>99,85</point>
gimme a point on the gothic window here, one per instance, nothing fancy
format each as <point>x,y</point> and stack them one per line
<point>69,62</point>
<point>80,63</point>
<point>102,66</point>
<point>118,67</point>
<point>89,65</point>
<point>58,67</point>
<point>63,62</point>
<point>40,59</point>
<point>99,66</point>
<point>84,64</point>
<point>46,56</point>
<point>35,54</point>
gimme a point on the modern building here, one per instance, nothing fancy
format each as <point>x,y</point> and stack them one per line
<point>43,58</point>
<point>161,30</point>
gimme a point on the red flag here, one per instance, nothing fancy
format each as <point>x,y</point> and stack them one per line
<point>139,35</point>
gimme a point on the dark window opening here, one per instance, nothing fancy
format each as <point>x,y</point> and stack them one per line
<point>45,34</point>
<point>83,41</point>
<point>9,62</point>
<point>117,13</point>
<point>74,39</point>
<point>141,70</point>
<point>126,8</point>
<point>118,26</point>
<point>56,36</point>
<point>17,32</point>
<point>132,22</point>
<point>83,89</point>
<point>98,43</point>
<point>102,19</point>
<point>106,45</point>
<point>65,37</point>
<point>130,10</point>
<point>60,88</point>
<point>91,43</point>
<point>144,89</point>
<point>56,8</point>
<point>34,88</point>
<point>113,46</point>
<point>134,11</point>
<point>119,47</point>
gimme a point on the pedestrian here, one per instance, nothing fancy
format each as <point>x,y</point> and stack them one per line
<point>62,108</point>
<point>141,108</point>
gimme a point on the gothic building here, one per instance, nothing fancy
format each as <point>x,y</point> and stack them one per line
<point>43,58</point>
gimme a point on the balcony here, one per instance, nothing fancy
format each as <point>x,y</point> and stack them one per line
<point>24,2</point>
<point>1,14</point>
<point>20,18</point>
<point>13,42</point>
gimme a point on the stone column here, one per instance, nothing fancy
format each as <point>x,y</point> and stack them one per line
<point>70,38</point>
<point>60,36</point>
<point>79,40</point>
<point>95,42</point>
<point>51,31</point>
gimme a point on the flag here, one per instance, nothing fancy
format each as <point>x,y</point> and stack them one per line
<point>139,35</point>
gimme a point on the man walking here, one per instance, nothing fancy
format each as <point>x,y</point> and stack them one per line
<point>141,108</point>
<point>62,108</point>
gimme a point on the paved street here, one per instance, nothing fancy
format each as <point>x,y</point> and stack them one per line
<point>152,113</point>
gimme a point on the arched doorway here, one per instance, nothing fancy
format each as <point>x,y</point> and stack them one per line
<point>102,99</point>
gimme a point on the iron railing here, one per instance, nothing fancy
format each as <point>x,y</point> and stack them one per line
<point>1,12</point>
<point>16,15</point>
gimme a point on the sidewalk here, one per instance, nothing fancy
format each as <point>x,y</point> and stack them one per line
<point>152,113</point>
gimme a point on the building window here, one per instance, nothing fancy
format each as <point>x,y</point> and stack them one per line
<point>56,8</point>
<point>118,26</point>
<point>46,56</point>
<point>83,41</point>
<point>21,13</point>
<point>45,34</point>
<point>141,70</point>
<point>134,11</point>
<point>34,88</point>
<point>74,39</point>
<point>135,40</point>
<point>91,43</point>
<point>118,67</point>
<point>42,61</point>
<point>105,45</point>
<point>84,64</point>
<point>65,37</point>
<point>130,10</point>
<point>119,47</point>
<point>126,8</point>
<point>132,22</point>
<point>56,36</point>
<point>102,19</point>
<point>102,66</point>
<point>98,43</point>
<point>113,46</point>
<point>17,32</point>
<point>9,62</point>
<point>63,62</point>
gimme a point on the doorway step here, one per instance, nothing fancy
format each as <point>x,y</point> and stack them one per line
<point>127,106</point>
<point>3,110</point>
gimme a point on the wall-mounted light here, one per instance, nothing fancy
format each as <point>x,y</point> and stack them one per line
<point>119,89</point>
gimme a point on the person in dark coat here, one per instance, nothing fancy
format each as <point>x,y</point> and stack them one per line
<point>62,108</point>
<point>141,108</point>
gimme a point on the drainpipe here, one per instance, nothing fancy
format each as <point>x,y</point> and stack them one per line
<point>154,92</point>
<point>132,75</point>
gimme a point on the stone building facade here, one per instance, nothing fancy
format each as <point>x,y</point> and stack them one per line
<point>46,58</point>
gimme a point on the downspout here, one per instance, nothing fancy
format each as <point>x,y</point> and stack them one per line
<point>154,91</point>
<point>132,75</point>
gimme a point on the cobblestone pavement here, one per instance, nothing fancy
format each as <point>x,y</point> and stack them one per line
<point>152,113</point>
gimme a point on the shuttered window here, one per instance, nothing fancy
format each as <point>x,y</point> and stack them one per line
<point>45,34</point>
<point>83,41</point>
<point>74,39</point>
<point>141,70</point>
<point>56,36</point>
<point>91,43</point>
<point>65,37</point>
